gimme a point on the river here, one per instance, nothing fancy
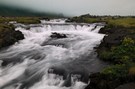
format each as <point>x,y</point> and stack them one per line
<point>42,61</point>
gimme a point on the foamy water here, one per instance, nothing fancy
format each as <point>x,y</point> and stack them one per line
<point>42,62</point>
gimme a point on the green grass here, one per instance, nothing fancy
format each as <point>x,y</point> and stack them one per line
<point>4,27</point>
<point>24,20</point>
<point>123,53</point>
<point>116,71</point>
<point>122,58</point>
<point>91,20</point>
<point>127,22</point>
<point>8,35</point>
<point>113,21</point>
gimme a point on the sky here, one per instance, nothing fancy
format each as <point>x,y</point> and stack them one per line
<point>77,7</point>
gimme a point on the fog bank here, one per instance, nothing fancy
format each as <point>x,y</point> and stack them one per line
<point>77,7</point>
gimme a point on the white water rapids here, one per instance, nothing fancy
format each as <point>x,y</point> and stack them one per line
<point>42,62</point>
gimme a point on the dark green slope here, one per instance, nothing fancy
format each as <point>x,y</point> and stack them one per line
<point>15,11</point>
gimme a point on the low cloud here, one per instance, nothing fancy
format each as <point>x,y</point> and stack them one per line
<point>77,7</point>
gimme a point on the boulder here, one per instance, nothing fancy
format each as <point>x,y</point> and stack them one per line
<point>127,86</point>
<point>8,35</point>
<point>58,35</point>
<point>112,40</point>
<point>99,81</point>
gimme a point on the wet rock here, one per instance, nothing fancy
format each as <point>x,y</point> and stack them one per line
<point>12,60</point>
<point>114,36</point>
<point>8,35</point>
<point>112,40</point>
<point>58,71</point>
<point>80,76</point>
<point>58,35</point>
<point>67,82</point>
<point>45,18</point>
<point>4,63</point>
<point>69,77</point>
<point>99,81</point>
<point>102,81</point>
<point>127,86</point>
<point>69,20</point>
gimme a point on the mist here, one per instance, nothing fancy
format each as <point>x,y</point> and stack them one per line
<point>77,7</point>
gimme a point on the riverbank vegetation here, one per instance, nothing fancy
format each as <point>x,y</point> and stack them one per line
<point>117,48</point>
<point>24,20</point>
<point>112,21</point>
<point>121,57</point>
<point>8,35</point>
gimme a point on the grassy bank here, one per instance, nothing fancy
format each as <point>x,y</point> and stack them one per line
<point>24,20</point>
<point>8,35</point>
<point>112,21</point>
<point>121,56</point>
<point>117,48</point>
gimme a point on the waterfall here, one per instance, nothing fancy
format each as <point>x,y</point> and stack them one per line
<point>44,62</point>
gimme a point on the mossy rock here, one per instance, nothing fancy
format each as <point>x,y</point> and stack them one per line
<point>8,35</point>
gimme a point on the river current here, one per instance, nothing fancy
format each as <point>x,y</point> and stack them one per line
<point>41,61</point>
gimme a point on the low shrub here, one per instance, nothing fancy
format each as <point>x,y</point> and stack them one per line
<point>105,55</point>
<point>116,71</point>
<point>125,52</point>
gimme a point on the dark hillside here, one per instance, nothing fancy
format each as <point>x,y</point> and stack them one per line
<point>16,11</point>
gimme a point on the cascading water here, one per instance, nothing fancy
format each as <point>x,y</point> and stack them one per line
<point>44,62</point>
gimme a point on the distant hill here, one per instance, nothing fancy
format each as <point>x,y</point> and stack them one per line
<point>16,11</point>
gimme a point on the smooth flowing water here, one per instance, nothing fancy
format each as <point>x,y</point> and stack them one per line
<point>44,62</point>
